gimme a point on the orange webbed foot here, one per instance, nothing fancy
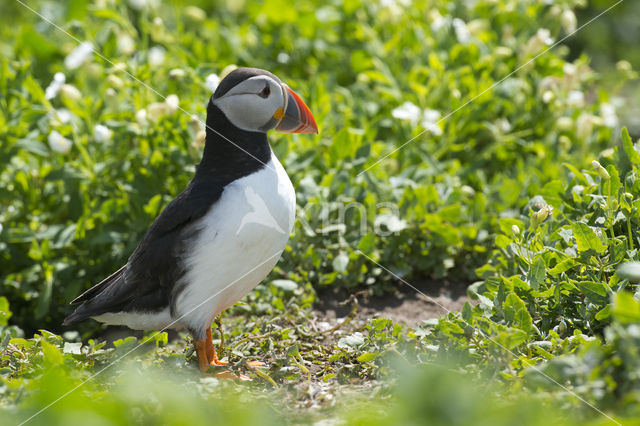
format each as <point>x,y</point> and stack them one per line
<point>256,364</point>
<point>217,362</point>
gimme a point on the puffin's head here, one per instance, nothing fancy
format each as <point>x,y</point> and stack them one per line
<point>257,101</point>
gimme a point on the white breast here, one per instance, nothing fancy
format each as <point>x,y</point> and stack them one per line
<point>238,243</point>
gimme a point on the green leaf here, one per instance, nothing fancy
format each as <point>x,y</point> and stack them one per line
<point>368,356</point>
<point>563,266</point>
<point>604,313</point>
<point>52,354</point>
<point>594,291</point>
<point>626,309</point>
<point>5,313</point>
<point>152,208</point>
<point>449,328</point>
<point>629,147</point>
<point>515,312</point>
<point>33,146</point>
<point>537,273</point>
<point>586,238</point>
<point>367,243</point>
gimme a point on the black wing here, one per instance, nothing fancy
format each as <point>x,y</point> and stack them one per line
<point>146,281</point>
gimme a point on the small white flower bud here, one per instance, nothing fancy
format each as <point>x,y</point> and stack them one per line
<point>177,73</point>
<point>156,56</point>
<point>195,13</point>
<point>564,123</point>
<point>71,93</point>
<point>173,102</point>
<point>115,81</point>
<point>102,133</point>
<point>141,116</point>
<point>212,82</point>
<point>569,21</point>
<point>156,110</point>
<point>604,174</point>
<point>59,143</point>
<point>200,138</point>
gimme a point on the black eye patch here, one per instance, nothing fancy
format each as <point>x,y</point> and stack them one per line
<point>265,92</point>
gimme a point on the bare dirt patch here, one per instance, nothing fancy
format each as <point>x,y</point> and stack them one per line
<point>405,305</point>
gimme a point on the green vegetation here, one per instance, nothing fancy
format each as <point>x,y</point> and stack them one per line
<point>502,194</point>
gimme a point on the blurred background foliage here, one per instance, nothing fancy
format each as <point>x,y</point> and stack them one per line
<point>501,194</point>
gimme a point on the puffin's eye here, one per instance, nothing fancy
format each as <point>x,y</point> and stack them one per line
<point>265,92</point>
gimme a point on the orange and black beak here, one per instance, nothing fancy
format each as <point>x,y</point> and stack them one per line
<point>296,116</point>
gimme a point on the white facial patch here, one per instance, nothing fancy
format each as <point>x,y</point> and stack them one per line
<point>251,104</point>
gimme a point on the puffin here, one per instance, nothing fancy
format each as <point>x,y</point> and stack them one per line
<point>220,237</point>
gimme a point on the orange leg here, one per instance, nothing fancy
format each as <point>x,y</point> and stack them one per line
<point>212,356</point>
<point>201,351</point>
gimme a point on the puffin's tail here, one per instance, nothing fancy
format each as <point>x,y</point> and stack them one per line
<point>88,309</point>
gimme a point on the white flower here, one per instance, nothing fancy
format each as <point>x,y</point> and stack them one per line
<point>395,6</point>
<point>54,87</point>
<point>564,123</point>
<point>59,143</point>
<point>504,125</point>
<point>547,96</point>
<point>430,118</point>
<point>138,4</point>
<point>141,116</point>
<point>608,114</point>
<point>70,93</point>
<point>212,82</point>
<point>201,137</point>
<point>195,13</point>
<point>584,125</point>
<point>624,66</point>
<point>544,35</point>
<point>156,110</point>
<point>156,55</point>
<point>283,58</point>
<point>392,222</point>
<point>177,73</point>
<point>115,81</point>
<point>172,102</point>
<point>79,55</point>
<point>158,22</point>
<point>327,14</point>
<point>126,44</point>
<point>102,133</point>
<point>63,115</point>
<point>437,21</point>
<point>536,43</point>
<point>569,21</point>
<point>119,66</point>
<point>390,3</point>
<point>195,123</point>
<point>569,69</point>
<point>407,111</point>
<point>462,32</point>
<point>575,98</point>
